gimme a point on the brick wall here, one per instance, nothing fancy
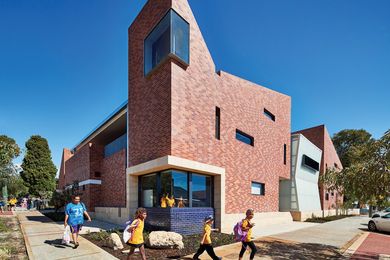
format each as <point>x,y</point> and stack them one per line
<point>113,178</point>
<point>172,112</point>
<point>186,221</point>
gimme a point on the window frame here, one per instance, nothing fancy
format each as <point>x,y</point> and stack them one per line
<point>262,188</point>
<point>251,138</point>
<point>189,186</point>
<point>269,115</point>
<point>217,123</point>
<point>170,54</point>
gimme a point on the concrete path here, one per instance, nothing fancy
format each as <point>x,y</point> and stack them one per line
<point>43,240</point>
<point>371,246</point>
<point>262,231</point>
<point>94,226</point>
<point>313,241</point>
<point>335,233</point>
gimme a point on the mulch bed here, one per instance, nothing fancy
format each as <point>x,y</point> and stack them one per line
<point>11,239</point>
<point>326,219</point>
<point>191,244</point>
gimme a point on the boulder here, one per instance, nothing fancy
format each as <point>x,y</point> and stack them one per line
<point>114,241</point>
<point>164,239</point>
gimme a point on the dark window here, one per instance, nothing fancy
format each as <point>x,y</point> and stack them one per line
<point>218,123</point>
<point>309,162</point>
<point>175,183</point>
<point>170,36</point>
<point>258,188</point>
<point>336,166</point>
<point>83,187</point>
<point>269,114</point>
<point>149,191</point>
<point>386,216</point>
<point>98,174</point>
<point>201,190</point>
<point>285,154</point>
<point>245,138</point>
<point>115,146</point>
<point>332,193</point>
<point>326,196</point>
<point>196,190</point>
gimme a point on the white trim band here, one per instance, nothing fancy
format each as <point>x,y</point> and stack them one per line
<point>173,162</point>
<point>90,181</point>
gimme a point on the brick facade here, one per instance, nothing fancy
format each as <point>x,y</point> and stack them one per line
<point>186,221</point>
<point>320,137</point>
<point>172,112</point>
<point>88,163</point>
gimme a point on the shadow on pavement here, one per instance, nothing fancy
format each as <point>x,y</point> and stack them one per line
<point>289,250</point>
<point>42,219</point>
<point>364,256</point>
<point>57,243</point>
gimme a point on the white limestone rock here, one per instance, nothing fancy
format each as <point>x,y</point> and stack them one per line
<point>114,241</point>
<point>164,239</point>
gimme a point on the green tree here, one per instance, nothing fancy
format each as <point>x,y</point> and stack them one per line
<point>347,140</point>
<point>9,150</point>
<point>366,177</point>
<point>39,170</point>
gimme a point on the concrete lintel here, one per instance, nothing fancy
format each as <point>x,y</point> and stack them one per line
<point>173,162</point>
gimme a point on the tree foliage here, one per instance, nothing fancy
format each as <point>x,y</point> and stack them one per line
<point>9,177</point>
<point>9,150</point>
<point>366,175</point>
<point>39,170</point>
<point>61,198</point>
<point>347,140</point>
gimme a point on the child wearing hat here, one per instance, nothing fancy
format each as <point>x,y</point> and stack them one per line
<point>247,226</point>
<point>205,243</point>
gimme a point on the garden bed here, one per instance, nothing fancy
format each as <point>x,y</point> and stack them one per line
<point>191,244</point>
<point>326,219</point>
<point>11,239</point>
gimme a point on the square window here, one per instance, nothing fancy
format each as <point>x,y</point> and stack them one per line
<point>245,138</point>
<point>257,188</point>
<point>170,36</point>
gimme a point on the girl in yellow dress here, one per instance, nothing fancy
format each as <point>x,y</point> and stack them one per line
<point>136,229</point>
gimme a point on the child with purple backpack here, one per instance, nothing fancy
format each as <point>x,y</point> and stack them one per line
<point>243,233</point>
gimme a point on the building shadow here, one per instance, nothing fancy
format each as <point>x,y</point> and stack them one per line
<point>42,219</point>
<point>57,243</point>
<point>283,250</point>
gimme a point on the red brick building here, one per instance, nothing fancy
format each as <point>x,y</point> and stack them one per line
<point>319,136</point>
<point>216,141</point>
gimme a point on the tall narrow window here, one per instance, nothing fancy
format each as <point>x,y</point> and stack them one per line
<point>269,114</point>
<point>245,138</point>
<point>285,154</point>
<point>218,123</point>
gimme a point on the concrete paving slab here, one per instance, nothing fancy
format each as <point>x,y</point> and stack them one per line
<point>335,233</point>
<point>43,240</point>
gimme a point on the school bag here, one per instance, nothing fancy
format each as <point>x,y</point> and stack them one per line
<point>126,234</point>
<point>239,234</point>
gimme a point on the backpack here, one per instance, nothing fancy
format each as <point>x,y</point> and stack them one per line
<point>239,234</point>
<point>126,234</point>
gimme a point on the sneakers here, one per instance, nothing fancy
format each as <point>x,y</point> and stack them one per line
<point>76,245</point>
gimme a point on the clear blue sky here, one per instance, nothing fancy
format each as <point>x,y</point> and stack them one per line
<point>63,64</point>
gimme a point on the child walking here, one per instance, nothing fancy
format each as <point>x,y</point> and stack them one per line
<point>136,229</point>
<point>205,243</point>
<point>247,226</point>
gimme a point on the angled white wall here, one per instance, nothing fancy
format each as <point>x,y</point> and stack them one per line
<point>301,193</point>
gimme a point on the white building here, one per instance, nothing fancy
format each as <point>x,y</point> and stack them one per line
<point>300,195</point>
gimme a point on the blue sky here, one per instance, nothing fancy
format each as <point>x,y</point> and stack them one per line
<point>63,64</point>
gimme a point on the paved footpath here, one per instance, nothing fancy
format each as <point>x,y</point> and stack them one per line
<point>43,240</point>
<point>371,246</point>
<point>323,241</point>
